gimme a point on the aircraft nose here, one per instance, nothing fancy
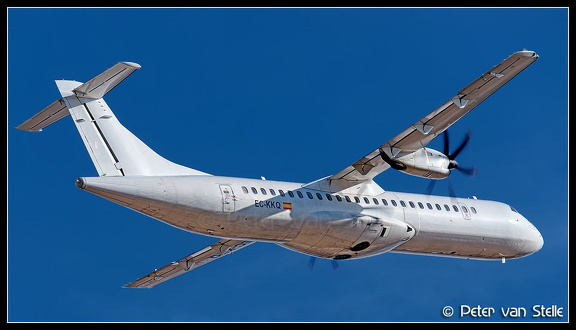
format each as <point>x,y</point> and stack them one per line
<point>536,241</point>
<point>529,239</point>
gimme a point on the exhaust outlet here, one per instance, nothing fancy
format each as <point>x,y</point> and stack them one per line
<point>80,183</point>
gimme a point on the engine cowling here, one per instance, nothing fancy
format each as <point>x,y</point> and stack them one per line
<point>426,163</point>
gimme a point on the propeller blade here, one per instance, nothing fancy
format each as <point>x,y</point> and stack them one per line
<point>451,188</point>
<point>311,263</point>
<point>335,265</point>
<point>453,163</point>
<point>468,171</point>
<point>460,147</point>
<point>430,187</point>
<point>393,163</point>
<point>446,144</point>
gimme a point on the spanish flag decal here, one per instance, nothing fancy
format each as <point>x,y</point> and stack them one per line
<point>287,206</point>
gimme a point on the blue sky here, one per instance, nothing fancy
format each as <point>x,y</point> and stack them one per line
<point>291,94</point>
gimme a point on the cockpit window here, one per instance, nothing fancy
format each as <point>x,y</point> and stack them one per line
<point>513,209</point>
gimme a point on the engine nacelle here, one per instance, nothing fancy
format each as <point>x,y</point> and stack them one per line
<point>425,163</point>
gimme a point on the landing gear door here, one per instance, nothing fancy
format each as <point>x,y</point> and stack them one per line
<point>373,228</point>
<point>228,199</point>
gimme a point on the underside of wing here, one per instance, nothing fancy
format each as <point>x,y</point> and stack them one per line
<point>210,253</point>
<point>426,129</point>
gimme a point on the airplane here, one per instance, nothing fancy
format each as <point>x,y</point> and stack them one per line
<point>343,216</point>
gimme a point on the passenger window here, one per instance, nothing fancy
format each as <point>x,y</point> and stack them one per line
<point>290,193</point>
<point>329,197</point>
<point>402,203</point>
<point>254,190</point>
<point>429,205</point>
<point>384,202</point>
<point>420,205</point>
<point>300,194</point>
<point>473,209</point>
<point>263,191</point>
<point>447,207</point>
<point>366,200</point>
<point>438,207</point>
<point>375,201</point>
<point>393,202</point>
<point>338,198</point>
<point>272,192</point>
<point>319,196</point>
<point>281,192</point>
<point>455,208</point>
<point>411,204</point>
<point>356,199</point>
<point>309,195</point>
<point>465,209</point>
<point>244,189</point>
<point>347,199</point>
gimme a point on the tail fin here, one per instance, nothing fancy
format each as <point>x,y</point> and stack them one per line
<point>114,150</point>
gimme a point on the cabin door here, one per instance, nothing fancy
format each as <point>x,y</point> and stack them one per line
<point>228,198</point>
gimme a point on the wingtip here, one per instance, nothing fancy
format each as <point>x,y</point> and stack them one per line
<point>132,64</point>
<point>528,53</point>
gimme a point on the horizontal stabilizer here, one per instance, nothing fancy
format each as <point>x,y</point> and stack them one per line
<point>98,86</point>
<point>213,252</point>
<point>51,114</point>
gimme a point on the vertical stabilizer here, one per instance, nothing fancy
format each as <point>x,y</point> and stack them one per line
<point>114,150</point>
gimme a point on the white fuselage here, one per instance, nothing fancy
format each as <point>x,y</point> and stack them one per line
<point>325,224</point>
<point>346,215</point>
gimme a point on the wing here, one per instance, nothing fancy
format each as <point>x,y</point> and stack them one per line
<point>426,129</point>
<point>210,253</point>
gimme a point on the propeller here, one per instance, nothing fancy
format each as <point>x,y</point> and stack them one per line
<point>335,266</point>
<point>311,263</point>
<point>430,187</point>
<point>453,163</point>
<point>393,163</point>
<point>452,156</point>
<point>397,165</point>
<point>334,263</point>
